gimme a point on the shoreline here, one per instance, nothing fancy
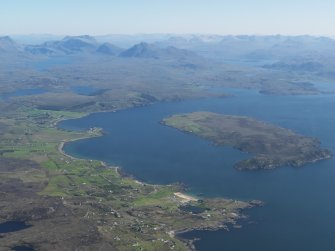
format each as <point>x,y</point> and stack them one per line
<point>181,195</point>
<point>62,144</point>
<point>258,160</point>
<point>184,198</point>
<point>61,150</point>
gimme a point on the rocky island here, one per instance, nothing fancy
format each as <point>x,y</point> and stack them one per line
<point>272,146</point>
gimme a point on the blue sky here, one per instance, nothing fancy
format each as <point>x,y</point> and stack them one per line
<point>96,17</point>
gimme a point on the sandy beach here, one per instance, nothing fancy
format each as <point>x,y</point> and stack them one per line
<point>184,197</point>
<point>60,149</point>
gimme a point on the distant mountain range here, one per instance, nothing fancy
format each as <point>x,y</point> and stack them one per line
<point>76,45</point>
<point>252,47</point>
<point>68,45</point>
<point>274,49</point>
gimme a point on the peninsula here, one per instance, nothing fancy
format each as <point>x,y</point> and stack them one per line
<point>67,203</point>
<point>272,146</point>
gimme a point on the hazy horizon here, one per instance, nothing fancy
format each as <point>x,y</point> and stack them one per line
<point>131,17</point>
<point>47,36</point>
<point>162,34</point>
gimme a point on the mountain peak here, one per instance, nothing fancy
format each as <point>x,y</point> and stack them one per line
<point>83,38</point>
<point>109,49</point>
<point>6,38</point>
<point>7,44</point>
<point>141,50</point>
<point>68,45</point>
<point>145,50</point>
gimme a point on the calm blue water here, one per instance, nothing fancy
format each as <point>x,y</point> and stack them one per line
<point>23,248</point>
<point>300,206</point>
<point>12,226</point>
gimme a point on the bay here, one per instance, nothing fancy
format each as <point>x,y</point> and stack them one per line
<point>300,210</point>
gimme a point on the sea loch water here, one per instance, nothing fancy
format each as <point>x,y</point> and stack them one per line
<point>300,208</point>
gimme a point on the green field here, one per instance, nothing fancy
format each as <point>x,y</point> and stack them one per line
<point>122,213</point>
